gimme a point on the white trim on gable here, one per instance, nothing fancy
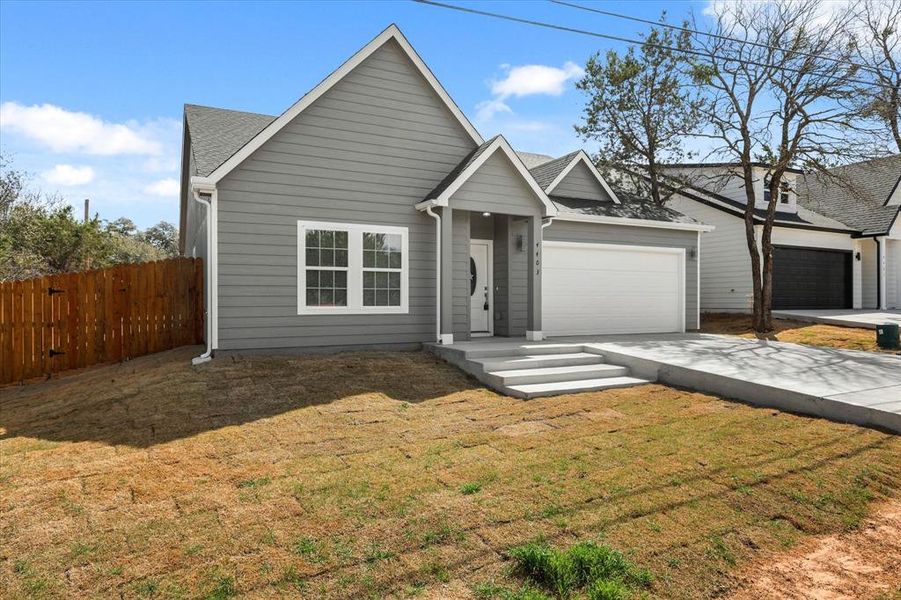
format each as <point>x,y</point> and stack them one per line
<point>391,33</point>
<point>584,158</point>
<point>501,144</point>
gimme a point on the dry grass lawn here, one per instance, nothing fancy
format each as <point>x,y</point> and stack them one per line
<point>394,475</point>
<point>796,332</point>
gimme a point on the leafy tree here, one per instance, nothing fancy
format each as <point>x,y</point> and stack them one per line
<point>122,226</point>
<point>640,109</point>
<point>163,236</point>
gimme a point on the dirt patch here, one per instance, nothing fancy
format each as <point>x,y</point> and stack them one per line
<point>796,332</point>
<point>860,564</point>
<point>524,428</point>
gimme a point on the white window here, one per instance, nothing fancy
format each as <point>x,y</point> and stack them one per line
<point>351,269</point>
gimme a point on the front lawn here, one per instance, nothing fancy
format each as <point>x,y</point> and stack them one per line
<point>393,474</point>
<point>796,332</point>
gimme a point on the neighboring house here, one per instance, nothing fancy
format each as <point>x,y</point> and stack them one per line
<point>372,213</point>
<point>837,239</point>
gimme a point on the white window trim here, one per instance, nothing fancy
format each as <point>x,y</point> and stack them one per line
<point>354,269</point>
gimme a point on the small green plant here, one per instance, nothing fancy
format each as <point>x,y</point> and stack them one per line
<point>309,549</point>
<point>252,484</point>
<point>585,565</point>
<point>376,553</point>
<point>438,571</point>
<point>223,589</point>
<point>147,588</point>
<point>193,550</point>
<point>292,577</point>
<point>473,487</point>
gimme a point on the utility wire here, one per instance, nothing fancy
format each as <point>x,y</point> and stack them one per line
<point>712,35</point>
<point>616,38</point>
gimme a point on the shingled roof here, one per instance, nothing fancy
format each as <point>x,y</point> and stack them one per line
<point>856,194</point>
<point>546,173</point>
<point>217,133</point>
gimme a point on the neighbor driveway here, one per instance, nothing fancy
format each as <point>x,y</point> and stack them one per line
<point>844,385</point>
<point>867,319</point>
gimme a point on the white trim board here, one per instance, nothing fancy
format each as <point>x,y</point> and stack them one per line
<point>582,157</point>
<point>499,143</point>
<point>391,33</point>
<point>630,222</point>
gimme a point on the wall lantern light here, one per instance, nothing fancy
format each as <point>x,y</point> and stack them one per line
<point>857,256</point>
<point>692,253</point>
<point>519,243</point>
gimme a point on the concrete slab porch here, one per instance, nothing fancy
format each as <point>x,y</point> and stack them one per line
<point>866,319</point>
<point>840,385</point>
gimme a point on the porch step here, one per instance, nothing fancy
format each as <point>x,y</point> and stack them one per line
<point>556,374</point>
<point>535,390</point>
<point>538,361</point>
<point>524,349</point>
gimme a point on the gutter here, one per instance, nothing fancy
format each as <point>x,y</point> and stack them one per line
<point>205,198</point>
<point>633,222</point>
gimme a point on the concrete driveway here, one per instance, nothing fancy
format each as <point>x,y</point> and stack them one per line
<point>843,385</point>
<point>867,319</point>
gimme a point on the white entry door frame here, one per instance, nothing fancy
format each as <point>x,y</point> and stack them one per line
<point>481,255</point>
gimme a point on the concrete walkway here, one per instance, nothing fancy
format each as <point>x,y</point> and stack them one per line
<point>842,385</point>
<point>867,319</point>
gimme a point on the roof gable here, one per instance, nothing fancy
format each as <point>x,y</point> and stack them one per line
<point>567,169</point>
<point>470,165</point>
<point>217,133</point>
<point>389,34</point>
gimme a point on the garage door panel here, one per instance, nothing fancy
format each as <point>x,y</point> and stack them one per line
<point>598,289</point>
<point>811,278</point>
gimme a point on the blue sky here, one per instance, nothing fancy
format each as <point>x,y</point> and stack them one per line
<point>92,93</point>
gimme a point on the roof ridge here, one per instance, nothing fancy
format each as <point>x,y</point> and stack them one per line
<point>232,110</point>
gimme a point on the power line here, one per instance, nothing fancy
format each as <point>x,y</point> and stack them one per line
<point>616,38</point>
<point>712,35</point>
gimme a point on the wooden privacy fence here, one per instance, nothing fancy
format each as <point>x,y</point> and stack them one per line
<point>75,320</point>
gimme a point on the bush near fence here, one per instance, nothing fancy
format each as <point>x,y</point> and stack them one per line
<point>74,320</point>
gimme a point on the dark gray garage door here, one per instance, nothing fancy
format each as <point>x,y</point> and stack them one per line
<point>811,278</point>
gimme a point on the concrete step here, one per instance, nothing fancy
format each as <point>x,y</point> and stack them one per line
<point>523,349</point>
<point>554,374</point>
<point>534,390</point>
<point>510,363</point>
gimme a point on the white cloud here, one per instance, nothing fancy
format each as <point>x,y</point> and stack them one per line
<point>63,130</point>
<point>67,175</point>
<point>528,80</point>
<point>163,187</point>
<point>486,109</point>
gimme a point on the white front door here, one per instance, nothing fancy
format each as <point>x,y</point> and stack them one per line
<point>480,282</point>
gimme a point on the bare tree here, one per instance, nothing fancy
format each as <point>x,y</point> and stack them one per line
<point>779,82</point>
<point>877,46</point>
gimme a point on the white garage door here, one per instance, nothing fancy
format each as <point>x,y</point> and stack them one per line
<point>606,288</point>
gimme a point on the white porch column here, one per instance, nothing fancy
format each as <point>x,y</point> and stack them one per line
<point>856,275</point>
<point>880,271</point>
<point>533,321</point>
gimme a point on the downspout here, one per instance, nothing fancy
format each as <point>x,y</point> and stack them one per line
<point>879,272</point>
<point>208,296</point>
<point>437,218</point>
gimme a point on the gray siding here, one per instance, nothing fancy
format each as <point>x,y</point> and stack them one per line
<point>518,277</point>
<point>501,310</point>
<point>461,275</point>
<point>364,152</point>
<point>580,183</point>
<point>567,231</point>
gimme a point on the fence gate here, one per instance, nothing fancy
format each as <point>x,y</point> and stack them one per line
<point>59,322</point>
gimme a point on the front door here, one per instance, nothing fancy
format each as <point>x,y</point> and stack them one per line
<point>480,296</point>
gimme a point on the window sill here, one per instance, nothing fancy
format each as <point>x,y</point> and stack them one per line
<point>376,310</point>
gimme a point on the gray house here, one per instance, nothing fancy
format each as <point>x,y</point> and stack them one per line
<point>371,213</point>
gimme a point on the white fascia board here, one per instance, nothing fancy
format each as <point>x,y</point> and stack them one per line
<point>202,184</point>
<point>391,33</point>
<point>498,144</point>
<point>583,157</point>
<point>633,222</point>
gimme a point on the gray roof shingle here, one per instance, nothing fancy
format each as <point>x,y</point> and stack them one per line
<point>629,208</point>
<point>455,172</point>
<point>856,195</point>
<point>217,133</point>
<point>546,173</point>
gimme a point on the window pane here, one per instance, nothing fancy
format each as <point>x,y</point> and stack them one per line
<point>312,238</point>
<point>341,279</point>
<point>312,257</point>
<point>381,280</point>
<point>368,258</point>
<point>395,260</point>
<point>340,258</point>
<point>327,258</point>
<point>326,297</point>
<point>394,298</point>
<point>341,239</point>
<point>312,297</point>
<point>368,297</point>
<point>326,279</point>
<point>369,241</point>
<point>382,260</point>
<point>381,297</point>
<point>340,297</point>
<point>368,279</point>
<point>312,279</point>
<point>327,239</point>
<point>391,242</point>
<point>394,281</point>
